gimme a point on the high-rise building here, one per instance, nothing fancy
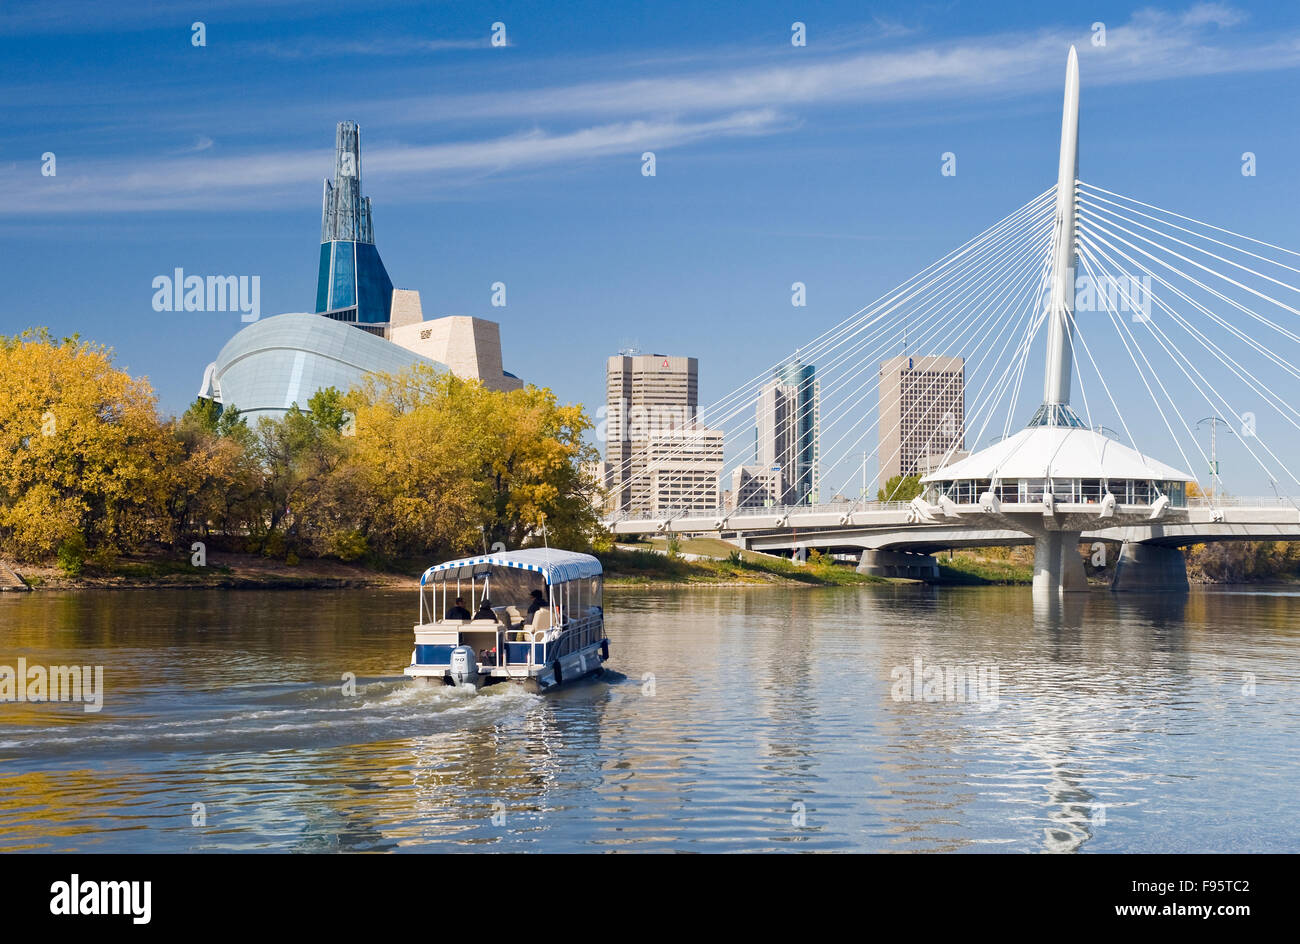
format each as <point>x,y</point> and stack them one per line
<point>682,469</point>
<point>647,395</point>
<point>595,476</point>
<point>922,412</point>
<point>352,284</point>
<point>755,486</point>
<point>788,414</point>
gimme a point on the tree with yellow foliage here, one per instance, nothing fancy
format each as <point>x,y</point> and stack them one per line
<point>84,461</point>
<point>413,463</point>
<point>442,463</point>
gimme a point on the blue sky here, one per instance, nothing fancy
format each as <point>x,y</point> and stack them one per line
<point>522,164</point>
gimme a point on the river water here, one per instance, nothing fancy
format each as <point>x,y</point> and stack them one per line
<point>732,719</point>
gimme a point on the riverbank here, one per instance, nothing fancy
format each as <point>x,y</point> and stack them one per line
<point>225,571</point>
<point>694,562</point>
<point>707,563</point>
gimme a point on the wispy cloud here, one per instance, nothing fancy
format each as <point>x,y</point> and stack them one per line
<point>194,183</point>
<point>1152,45</point>
<point>673,105</point>
<point>319,47</point>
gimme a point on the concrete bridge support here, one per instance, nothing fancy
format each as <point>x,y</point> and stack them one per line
<point>899,564</point>
<point>1150,568</point>
<point>1058,565</point>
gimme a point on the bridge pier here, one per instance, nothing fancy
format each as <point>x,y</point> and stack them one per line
<point>1150,568</point>
<point>899,564</point>
<point>1058,566</point>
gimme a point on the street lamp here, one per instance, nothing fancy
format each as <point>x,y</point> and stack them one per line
<point>1215,482</point>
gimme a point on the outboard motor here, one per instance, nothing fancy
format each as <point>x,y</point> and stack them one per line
<point>464,667</point>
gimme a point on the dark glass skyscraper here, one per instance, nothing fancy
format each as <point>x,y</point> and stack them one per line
<point>353,284</point>
<point>789,428</point>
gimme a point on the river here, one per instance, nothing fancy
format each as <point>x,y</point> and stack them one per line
<point>730,720</point>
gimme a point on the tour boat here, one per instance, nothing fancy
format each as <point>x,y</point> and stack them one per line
<point>534,617</point>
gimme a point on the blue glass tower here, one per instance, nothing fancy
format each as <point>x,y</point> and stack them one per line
<point>803,471</point>
<point>352,284</point>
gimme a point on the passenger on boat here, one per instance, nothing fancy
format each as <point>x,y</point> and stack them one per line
<point>539,603</point>
<point>485,611</point>
<point>458,612</point>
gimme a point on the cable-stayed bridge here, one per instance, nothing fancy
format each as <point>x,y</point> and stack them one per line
<point>1148,324</point>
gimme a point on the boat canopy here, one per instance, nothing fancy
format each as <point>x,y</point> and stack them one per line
<point>555,566</point>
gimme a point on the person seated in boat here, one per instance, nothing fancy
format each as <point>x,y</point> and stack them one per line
<point>539,603</point>
<point>485,611</point>
<point>458,612</point>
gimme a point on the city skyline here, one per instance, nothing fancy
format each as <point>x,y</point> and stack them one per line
<point>813,165</point>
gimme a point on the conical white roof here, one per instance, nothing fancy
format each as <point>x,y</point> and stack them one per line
<point>1057,452</point>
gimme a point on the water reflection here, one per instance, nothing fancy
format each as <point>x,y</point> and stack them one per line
<point>743,720</point>
<point>1055,612</point>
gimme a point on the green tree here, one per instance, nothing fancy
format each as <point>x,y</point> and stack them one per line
<point>297,458</point>
<point>216,484</point>
<point>900,488</point>
<point>203,414</point>
<point>327,409</point>
<point>233,425</point>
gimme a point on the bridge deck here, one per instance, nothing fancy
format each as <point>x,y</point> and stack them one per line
<point>896,526</point>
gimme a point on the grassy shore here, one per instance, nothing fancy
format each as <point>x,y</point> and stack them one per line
<point>649,565</point>
<point>708,561</point>
<point>967,568</point>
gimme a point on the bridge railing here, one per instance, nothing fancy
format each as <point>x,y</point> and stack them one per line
<point>739,515</point>
<point>1233,501</point>
<point>757,511</point>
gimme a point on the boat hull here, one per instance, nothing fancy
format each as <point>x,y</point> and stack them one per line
<point>533,678</point>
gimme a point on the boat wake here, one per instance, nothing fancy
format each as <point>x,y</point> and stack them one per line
<point>260,718</point>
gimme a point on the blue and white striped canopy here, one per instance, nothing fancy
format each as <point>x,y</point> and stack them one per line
<point>555,566</point>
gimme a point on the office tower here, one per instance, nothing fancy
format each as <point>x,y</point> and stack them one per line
<point>682,469</point>
<point>595,477</point>
<point>754,486</point>
<point>922,412</point>
<point>645,394</point>
<point>789,432</point>
<point>352,284</point>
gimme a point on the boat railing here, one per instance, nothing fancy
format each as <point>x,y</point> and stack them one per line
<point>579,634</point>
<point>574,635</point>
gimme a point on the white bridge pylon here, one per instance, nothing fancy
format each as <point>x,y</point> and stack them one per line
<point>1060,321</point>
<point>1170,317</point>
